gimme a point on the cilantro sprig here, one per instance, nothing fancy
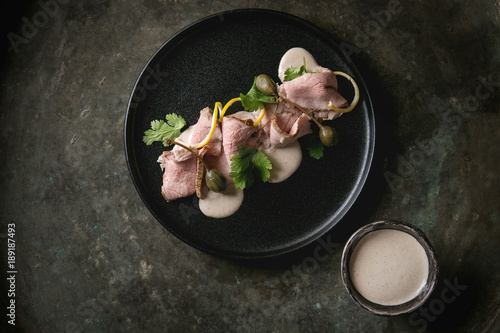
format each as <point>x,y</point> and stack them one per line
<point>294,72</point>
<point>315,147</point>
<point>249,164</point>
<point>161,130</point>
<point>255,99</point>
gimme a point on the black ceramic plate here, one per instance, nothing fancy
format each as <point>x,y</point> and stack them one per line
<point>216,59</point>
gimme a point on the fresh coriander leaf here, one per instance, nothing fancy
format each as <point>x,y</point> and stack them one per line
<point>247,165</point>
<point>161,130</point>
<point>262,165</point>
<point>241,172</point>
<point>294,72</point>
<point>254,99</point>
<point>315,147</point>
<point>155,133</point>
<point>175,121</point>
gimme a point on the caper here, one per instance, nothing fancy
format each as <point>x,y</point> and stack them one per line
<point>328,136</point>
<point>265,85</point>
<point>215,180</point>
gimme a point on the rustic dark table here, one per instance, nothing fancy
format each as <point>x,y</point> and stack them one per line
<point>89,256</point>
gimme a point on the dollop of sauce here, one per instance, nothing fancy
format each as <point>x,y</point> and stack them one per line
<point>295,58</point>
<point>389,267</point>
<point>285,160</point>
<point>222,204</point>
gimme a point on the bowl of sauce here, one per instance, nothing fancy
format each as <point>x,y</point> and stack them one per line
<point>389,268</point>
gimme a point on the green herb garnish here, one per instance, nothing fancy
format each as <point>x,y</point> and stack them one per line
<point>255,99</point>
<point>294,72</point>
<point>315,147</point>
<point>161,130</point>
<point>248,164</point>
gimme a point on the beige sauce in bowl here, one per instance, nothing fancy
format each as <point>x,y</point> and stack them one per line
<point>389,267</point>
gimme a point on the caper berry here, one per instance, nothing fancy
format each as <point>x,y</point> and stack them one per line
<point>215,180</point>
<point>328,136</point>
<point>265,85</point>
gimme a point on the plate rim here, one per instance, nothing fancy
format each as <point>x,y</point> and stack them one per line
<point>357,188</point>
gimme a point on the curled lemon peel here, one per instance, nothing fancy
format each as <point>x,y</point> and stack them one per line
<point>217,108</point>
<point>262,113</point>
<point>238,99</point>
<point>355,99</point>
<point>228,104</point>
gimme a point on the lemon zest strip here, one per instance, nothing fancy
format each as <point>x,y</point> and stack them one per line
<point>228,104</point>
<point>262,113</point>
<point>217,108</point>
<point>355,98</point>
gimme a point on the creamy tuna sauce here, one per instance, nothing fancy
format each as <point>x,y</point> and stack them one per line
<point>285,160</point>
<point>295,58</point>
<point>389,267</point>
<point>223,204</point>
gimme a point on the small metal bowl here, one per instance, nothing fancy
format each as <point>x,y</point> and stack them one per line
<point>389,310</point>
